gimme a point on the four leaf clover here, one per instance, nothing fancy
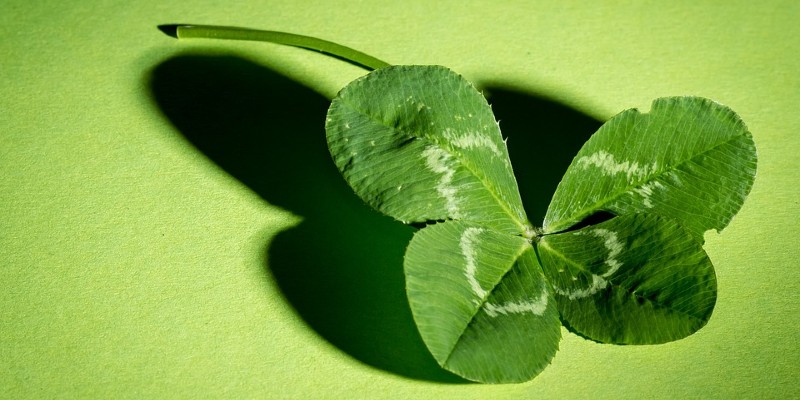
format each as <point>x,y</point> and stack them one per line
<point>489,291</point>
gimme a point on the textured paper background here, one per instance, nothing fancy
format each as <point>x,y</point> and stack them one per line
<point>143,256</point>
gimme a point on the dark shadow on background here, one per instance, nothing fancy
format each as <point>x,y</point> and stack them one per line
<point>543,138</point>
<point>341,267</point>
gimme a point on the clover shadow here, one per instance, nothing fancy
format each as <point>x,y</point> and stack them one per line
<point>341,268</point>
<point>543,138</point>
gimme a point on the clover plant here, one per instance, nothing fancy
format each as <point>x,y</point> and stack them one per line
<point>488,290</point>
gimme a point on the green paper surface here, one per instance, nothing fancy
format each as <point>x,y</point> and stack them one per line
<point>171,224</point>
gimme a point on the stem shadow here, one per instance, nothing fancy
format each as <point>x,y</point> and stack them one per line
<point>341,268</point>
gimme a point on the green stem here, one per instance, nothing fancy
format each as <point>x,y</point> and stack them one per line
<point>289,39</point>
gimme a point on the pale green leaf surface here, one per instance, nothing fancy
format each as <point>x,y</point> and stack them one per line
<point>481,302</point>
<point>420,143</point>
<point>689,158</point>
<point>635,279</point>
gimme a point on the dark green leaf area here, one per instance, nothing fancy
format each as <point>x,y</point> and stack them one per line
<point>420,143</point>
<point>481,302</point>
<point>689,159</point>
<point>635,279</point>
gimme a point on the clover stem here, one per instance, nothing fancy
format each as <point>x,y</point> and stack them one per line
<point>307,42</point>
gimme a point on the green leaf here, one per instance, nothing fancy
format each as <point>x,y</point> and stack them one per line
<point>689,158</point>
<point>635,279</point>
<point>481,302</point>
<point>420,143</point>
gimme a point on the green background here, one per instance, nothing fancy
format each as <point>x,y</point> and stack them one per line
<point>171,224</point>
